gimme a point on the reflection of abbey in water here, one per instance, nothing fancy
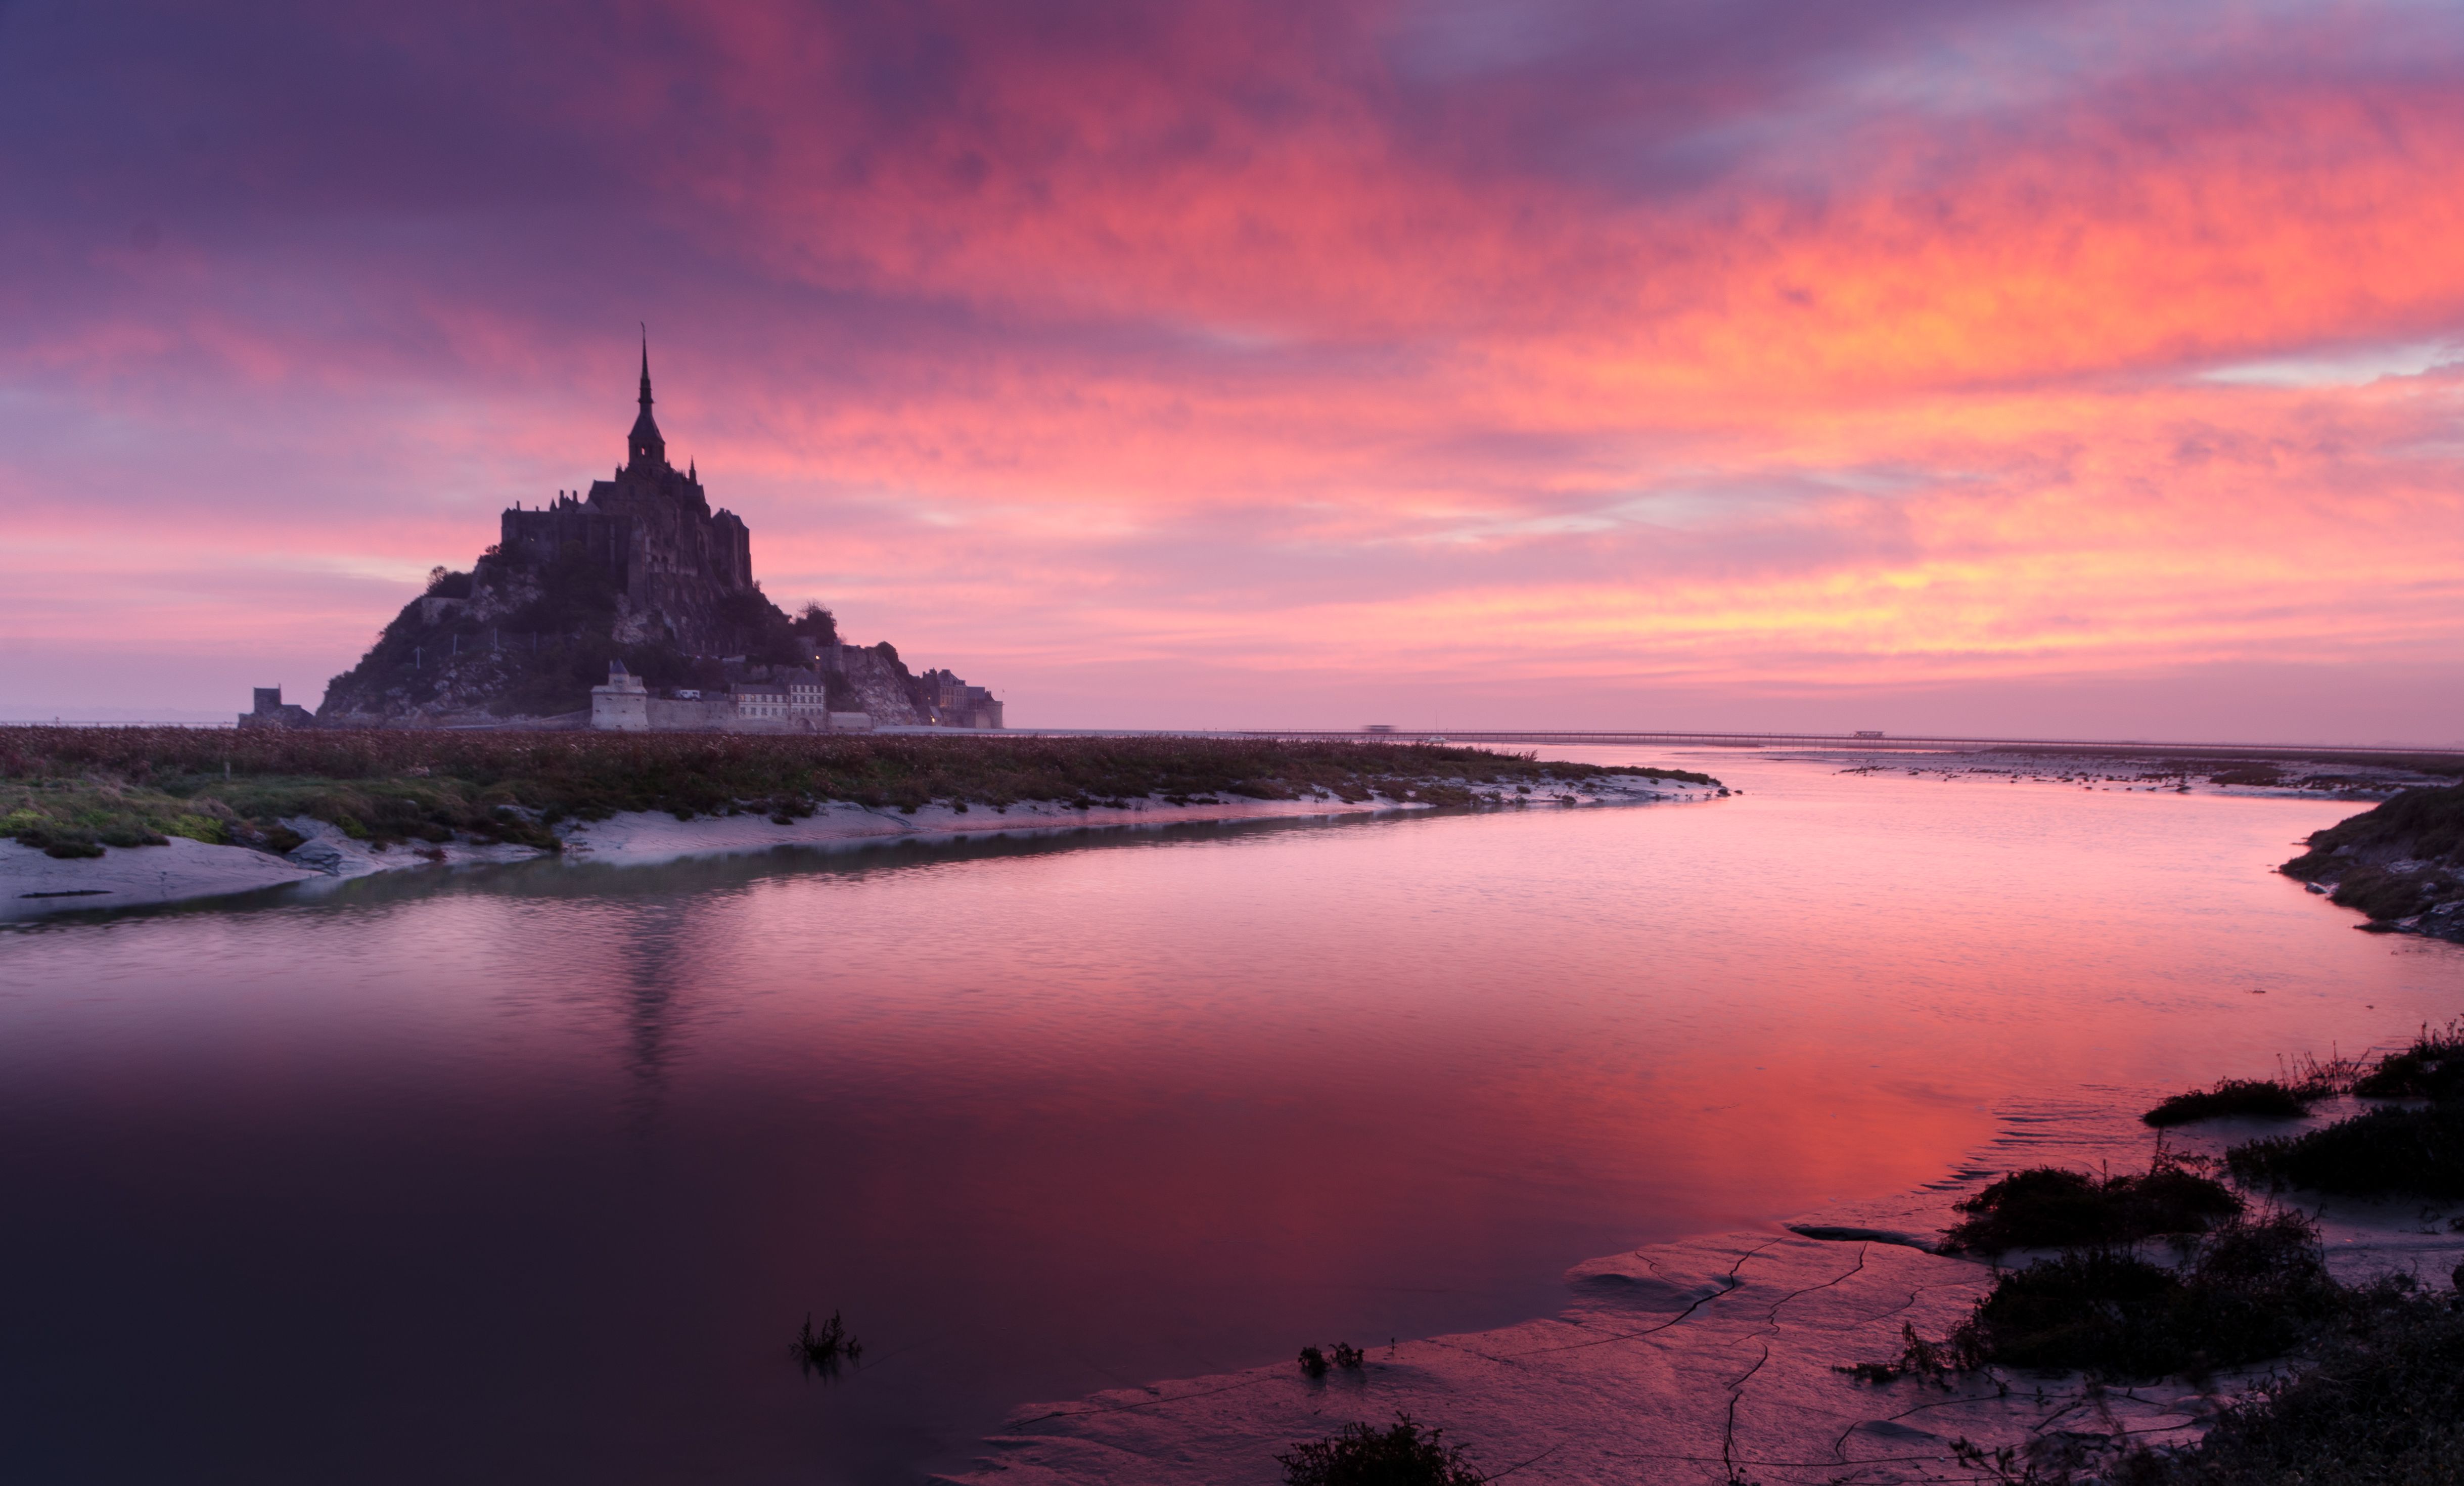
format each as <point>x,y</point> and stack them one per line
<point>631,607</point>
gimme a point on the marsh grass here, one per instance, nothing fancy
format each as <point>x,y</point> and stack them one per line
<point>2255,1289</point>
<point>823,1351</point>
<point>2432,1068</point>
<point>2409,1150</point>
<point>2260,1099</point>
<point>2381,1405</point>
<point>2052,1208</point>
<point>1930,1361</point>
<point>247,810</point>
<point>1362,1454</point>
<point>77,784</point>
<point>2251,1288</point>
<point>2380,1153</point>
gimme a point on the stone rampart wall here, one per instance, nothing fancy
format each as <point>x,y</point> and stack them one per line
<point>636,712</point>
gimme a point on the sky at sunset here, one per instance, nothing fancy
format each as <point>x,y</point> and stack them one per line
<point>2031,368</point>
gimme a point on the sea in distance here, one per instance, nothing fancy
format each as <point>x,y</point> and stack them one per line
<point>532,1173</point>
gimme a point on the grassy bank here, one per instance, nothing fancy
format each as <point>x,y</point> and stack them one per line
<point>69,788</point>
<point>2402,860</point>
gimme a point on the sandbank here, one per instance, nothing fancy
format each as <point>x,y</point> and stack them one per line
<point>649,835</point>
<point>32,884</point>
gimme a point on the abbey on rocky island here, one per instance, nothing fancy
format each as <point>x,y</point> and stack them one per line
<point>632,605</point>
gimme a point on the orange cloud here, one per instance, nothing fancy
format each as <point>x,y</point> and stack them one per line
<point>1289,351</point>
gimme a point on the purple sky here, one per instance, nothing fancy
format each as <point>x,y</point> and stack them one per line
<point>2048,367</point>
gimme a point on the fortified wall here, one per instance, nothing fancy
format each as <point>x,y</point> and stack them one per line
<point>849,689</point>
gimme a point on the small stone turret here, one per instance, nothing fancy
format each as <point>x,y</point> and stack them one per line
<point>622,705</point>
<point>272,711</point>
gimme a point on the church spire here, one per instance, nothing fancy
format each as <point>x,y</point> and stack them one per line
<point>648,449</point>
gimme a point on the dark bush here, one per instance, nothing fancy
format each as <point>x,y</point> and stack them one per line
<point>2432,1068</point>
<point>2051,1207</point>
<point>2382,1405</point>
<point>2386,1152</point>
<point>2243,1097</point>
<point>2088,1308</point>
<point>1918,1358</point>
<point>823,1351</point>
<point>2255,1290</point>
<point>54,839</point>
<point>1362,1455</point>
<point>817,624</point>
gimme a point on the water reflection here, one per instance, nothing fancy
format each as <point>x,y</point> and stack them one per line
<point>535,1173</point>
<point>651,975</point>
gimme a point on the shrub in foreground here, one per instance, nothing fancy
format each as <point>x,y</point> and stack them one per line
<point>2262,1098</point>
<point>1401,1455</point>
<point>2253,1289</point>
<point>2382,1405</point>
<point>2386,1152</point>
<point>2051,1208</point>
<point>823,1351</point>
<point>2432,1068</point>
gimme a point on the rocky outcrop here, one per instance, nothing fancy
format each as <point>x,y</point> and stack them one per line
<point>877,684</point>
<point>2402,863</point>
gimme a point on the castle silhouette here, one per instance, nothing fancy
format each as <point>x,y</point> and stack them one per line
<point>651,529</point>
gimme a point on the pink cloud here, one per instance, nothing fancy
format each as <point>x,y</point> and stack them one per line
<point>1560,362</point>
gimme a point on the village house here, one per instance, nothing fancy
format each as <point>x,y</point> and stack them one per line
<point>787,694</point>
<point>787,701</point>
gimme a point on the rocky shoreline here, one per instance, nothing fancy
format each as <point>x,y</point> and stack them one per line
<point>2402,863</point>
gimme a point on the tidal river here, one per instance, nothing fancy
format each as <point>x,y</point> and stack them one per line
<point>532,1174</point>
